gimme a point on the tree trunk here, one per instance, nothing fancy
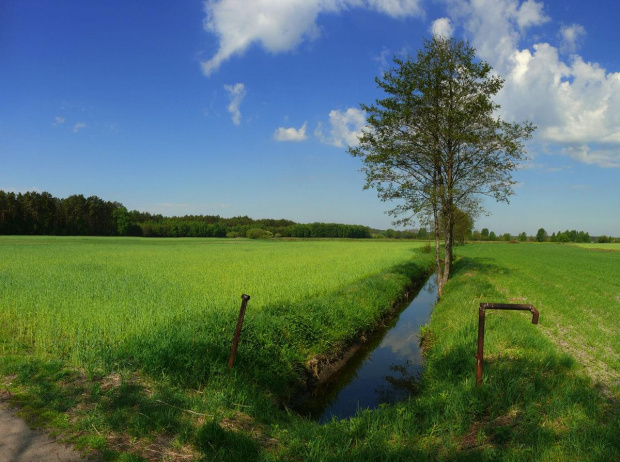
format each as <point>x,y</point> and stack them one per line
<point>447,267</point>
<point>438,256</point>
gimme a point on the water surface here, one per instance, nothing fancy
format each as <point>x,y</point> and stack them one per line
<point>384,370</point>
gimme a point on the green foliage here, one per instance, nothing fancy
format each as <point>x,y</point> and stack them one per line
<point>258,233</point>
<point>571,236</point>
<point>34,213</point>
<point>522,237</point>
<point>463,226</point>
<point>492,236</point>
<point>541,235</point>
<point>435,143</point>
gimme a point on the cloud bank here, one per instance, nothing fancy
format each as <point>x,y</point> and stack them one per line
<point>573,102</point>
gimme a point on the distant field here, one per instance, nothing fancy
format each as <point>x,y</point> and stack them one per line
<point>612,247</point>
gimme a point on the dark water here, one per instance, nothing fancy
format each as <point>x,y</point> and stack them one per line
<point>384,370</point>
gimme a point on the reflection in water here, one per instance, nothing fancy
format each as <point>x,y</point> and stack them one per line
<point>384,370</point>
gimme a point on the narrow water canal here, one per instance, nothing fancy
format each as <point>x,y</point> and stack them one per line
<point>383,370</point>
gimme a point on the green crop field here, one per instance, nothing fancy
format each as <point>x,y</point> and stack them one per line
<point>611,247</point>
<point>98,302</point>
<point>121,345</point>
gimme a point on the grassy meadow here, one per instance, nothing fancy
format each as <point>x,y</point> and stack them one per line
<point>121,345</point>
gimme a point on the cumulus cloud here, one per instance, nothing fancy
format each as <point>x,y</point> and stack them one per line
<point>345,128</point>
<point>236,93</point>
<point>571,101</point>
<point>58,121</point>
<point>279,25</point>
<point>291,134</point>
<point>570,37</point>
<point>78,126</point>
<point>442,27</point>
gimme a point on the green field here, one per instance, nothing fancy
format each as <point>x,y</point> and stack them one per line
<point>595,246</point>
<point>122,344</point>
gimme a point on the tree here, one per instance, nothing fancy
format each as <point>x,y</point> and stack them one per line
<point>435,145</point>
<point>484,234</point>
<point>463,225</point>
<point>522,237</point>
<point>541,235</point>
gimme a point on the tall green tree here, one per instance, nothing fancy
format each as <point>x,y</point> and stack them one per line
<point>435,144</point>
<point>541,235</point>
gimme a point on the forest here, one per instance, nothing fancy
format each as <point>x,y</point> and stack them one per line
<point>34,213</point>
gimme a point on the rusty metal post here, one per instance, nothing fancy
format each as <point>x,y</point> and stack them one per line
<point>481,312</point>
<point>480,353</point>
<point>233,353</point>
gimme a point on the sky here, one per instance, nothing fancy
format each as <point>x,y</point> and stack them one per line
<point>246,107</point>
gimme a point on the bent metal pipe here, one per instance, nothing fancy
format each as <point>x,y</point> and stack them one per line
<point>495,306</point>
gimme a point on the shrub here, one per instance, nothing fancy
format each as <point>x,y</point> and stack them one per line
<point>258,233</point>
<point>233,234</point>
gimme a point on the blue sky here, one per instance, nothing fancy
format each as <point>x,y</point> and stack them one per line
<point>243,107</point>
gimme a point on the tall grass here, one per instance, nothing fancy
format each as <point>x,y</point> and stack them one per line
<point>540,401</point>
<point>152,304</point>
<point>549,393</point>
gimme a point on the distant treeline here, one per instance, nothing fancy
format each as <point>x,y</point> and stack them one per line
<point>41,213</point>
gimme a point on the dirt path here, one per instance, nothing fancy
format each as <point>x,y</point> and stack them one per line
<point>18,443</point>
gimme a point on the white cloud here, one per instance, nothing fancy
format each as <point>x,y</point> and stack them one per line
<point>58,121</point>
<point>570,36</point>
<point>291,134</point>
<point>394,8</point>
<point>78,126</point>
<point>600,157</point>
<point>572,102</point>
<point>442,27</point>
<point>236,93</point>
<point>279,25</point>
<point>345,128</point>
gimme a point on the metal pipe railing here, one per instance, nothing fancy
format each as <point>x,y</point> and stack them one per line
<point>481,312</point>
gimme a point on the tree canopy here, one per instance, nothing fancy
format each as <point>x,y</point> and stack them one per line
<point>435,144</point>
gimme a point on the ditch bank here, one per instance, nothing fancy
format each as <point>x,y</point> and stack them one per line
<point>383,366</point>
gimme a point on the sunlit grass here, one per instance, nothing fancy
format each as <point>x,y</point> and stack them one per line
<point>550,391</point>
<point>96,302</point>
<point>596,246</point>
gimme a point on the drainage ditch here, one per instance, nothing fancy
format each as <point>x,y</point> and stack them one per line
<point>384,370</point>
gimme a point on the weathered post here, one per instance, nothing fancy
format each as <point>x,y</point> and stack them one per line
<point>481,312</point>
<point>480,353</point>
<point>233,353</point>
